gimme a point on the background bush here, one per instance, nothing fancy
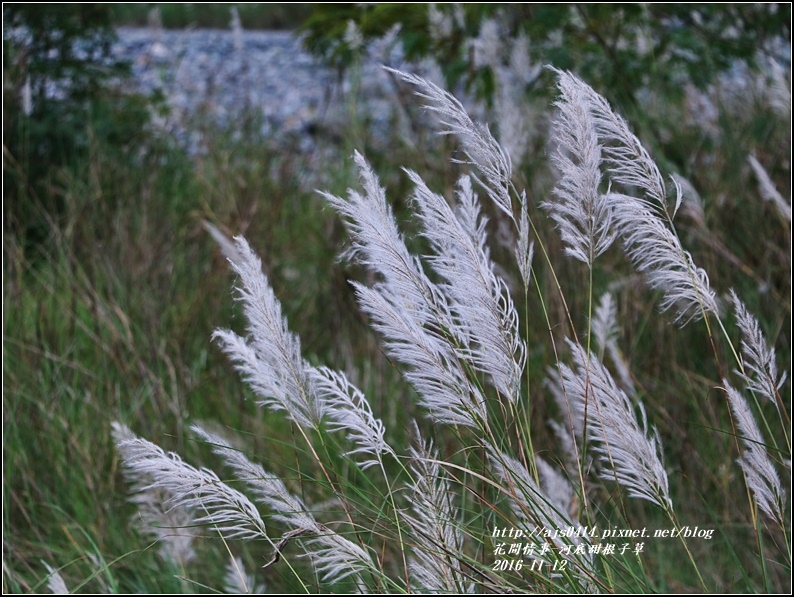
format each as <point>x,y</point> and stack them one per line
<point>63,91</point>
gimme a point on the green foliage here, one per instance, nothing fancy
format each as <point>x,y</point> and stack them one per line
<point>619,48</point>
<point>63,89</point>
<point>65,47</point>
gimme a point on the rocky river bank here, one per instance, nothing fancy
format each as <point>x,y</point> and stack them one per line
<point>218,76</point>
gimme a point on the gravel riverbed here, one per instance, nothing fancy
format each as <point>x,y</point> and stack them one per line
<point>219,75</point>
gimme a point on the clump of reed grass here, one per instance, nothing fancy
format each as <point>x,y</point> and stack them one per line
<point>424,519</point>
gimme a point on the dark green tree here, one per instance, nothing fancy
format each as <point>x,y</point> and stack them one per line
<point>61,88</point>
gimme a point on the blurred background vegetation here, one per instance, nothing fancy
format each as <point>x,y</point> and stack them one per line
<point>112,287</point>
<point>253,15</point>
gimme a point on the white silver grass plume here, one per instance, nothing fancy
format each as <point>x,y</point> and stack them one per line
<point>604,326</point>
<point>225,244</point>
<point>215,504</point>
<point>657,252</point>
<point>650,244</point>
<point>267,489</point>
<point>758,469</point>
<point>629,162</point>
<point>522,69</point>
<point>539,515</point>
<point>487,46</point>
<point>407,308</point>
<point>440,24</point>
<point>173,527</point>
<point>237,30</point>
<point>435,565</point>
<point>479,145</point>
<point>692,202</point>
<point>334,557</point>
<point>378,244</point>
<point>583,215</point>
<point>511,116</point>
<point>605,330</point>
<point>768,189</point>
<point>434,368</point>
<point>630,453</point>
<point>484,318</point>
<point>556,485</point>
<point>353,36</point>
<point>525,249</point>
<point>760,364</point>
<point>778,90</point>
<point>55,582</point>
<point>270,360</point>
<point>346,408</point>
<point>568,443</point>
<point>238,582</point>
<point>530,504</point>
<point>569,432</point>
